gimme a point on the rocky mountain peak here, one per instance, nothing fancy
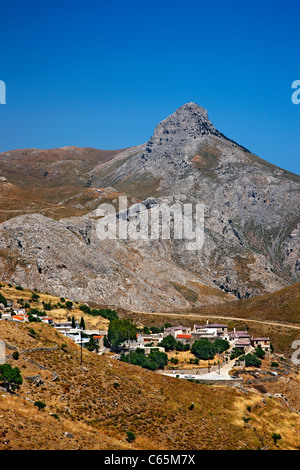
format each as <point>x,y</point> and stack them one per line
<point>184,128</point>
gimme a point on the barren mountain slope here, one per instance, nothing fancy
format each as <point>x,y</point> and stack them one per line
<point>252,208</point>
<point>252,213</point>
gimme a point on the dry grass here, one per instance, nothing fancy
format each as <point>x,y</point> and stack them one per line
<point>281,306</point>
<point>58,314</point>
<point>184,361</point>
<point>98,414</point>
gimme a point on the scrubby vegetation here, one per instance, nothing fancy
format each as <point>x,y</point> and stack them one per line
<point>107,313</point>
<point>155,360</point>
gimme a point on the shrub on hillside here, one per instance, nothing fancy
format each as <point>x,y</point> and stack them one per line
<point>107,313</point>
<point>10,377</point>
<point>35,297</point>
<point>40,405</point>
<point>130,436</point>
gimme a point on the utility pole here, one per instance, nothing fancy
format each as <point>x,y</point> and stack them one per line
<point>81,346</point>
<point>129,346</point>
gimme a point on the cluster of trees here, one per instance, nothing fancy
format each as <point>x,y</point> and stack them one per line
<point>254,359</point>
<point>155,329</point>
<point>48,305</point>
<point>251,360</point>
<point>205,349</point>
<point>236,352</point>
<point>73,323</point>
<point>107,313</point>
<point>155,360</point>
<point>36,311</point>
<point>119,331</point>
<point>171,344</point>
<point>68,305</point>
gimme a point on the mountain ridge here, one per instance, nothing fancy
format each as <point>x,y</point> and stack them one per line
<point>252,215</point>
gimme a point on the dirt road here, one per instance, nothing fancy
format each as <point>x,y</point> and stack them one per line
<point>195,315</point>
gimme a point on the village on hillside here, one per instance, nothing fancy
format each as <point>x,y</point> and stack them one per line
<point>209,351</point>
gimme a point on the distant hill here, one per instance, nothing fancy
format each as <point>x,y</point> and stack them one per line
<point>281,306</point>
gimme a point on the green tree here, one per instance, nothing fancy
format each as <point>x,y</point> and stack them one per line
<point>31,318</point>
<point>182,347</point>
<point>276,437</point>
<point>10,377</point>
<point>155,329</point>
<point>251,360</point>
<point>47,305</point>
<point>3,300</point>
<point>174,360</point>
<point>260,353</point>
<point>236,352</point>
<point>169,343</point>
<point>85,309</point>
<point>82,323</point>
<point>221,345</point>
<point>73,322</point>
<point>120,330</point>
<point>203,349</point>
<point>160,359</point>
<point>35,297</point>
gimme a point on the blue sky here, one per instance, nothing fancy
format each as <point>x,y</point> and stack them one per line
<point>104,73</point>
